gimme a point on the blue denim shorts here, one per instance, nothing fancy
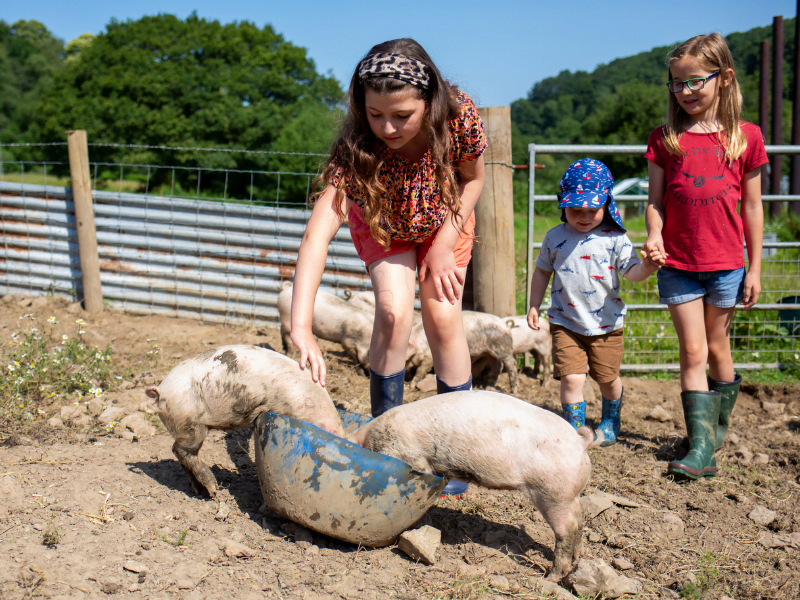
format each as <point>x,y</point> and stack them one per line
<point>723,289</point>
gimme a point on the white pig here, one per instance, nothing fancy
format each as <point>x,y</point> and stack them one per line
<point>537,342</point>
<point>499,442</point>
<point>334,320</point>
<point>227,388</point>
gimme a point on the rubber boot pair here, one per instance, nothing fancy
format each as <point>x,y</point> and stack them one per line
<point>454,487</point>
<point>730,392</point>
<point>701,411</point>
<point>575,415</point>
<point>385,391</point>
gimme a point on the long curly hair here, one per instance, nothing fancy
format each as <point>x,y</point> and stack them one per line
<point>359,153</point>
<point>712,54</point>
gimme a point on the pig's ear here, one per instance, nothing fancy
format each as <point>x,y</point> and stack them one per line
<point>152,392</point>
<point>511,324</point>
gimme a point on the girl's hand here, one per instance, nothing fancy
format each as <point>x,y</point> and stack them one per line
<point>533,318</point>
<point>652,261</point>
<point>654,249</point>
<point>440,264</point>
<point>752,288</point>
<point>310,353</point>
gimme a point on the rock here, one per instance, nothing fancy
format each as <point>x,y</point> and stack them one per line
<point>235,549</point>
<point>128,435</point>
<point>55,422</point>
<point>126,385</point>
<point>773,408</point>
<point>82,421</point>
<point>761,459</point>
<point>621,564</point>
<point>110,587</point>
<point>733,438</point>
<point>595,577</point>
<point>39,302</point>
<point>74,308</point>
<point>135,567</point>
<point>7,298</point>
<point>595,537</point>
<point>421,544</point>
<point>148,407</point>
<point>499,582</point>
<point>743,454</point>
<point>672,523</point>
<point>24,302</point>
<point>594,504</point>
<point>686,579</point>
<point>184,583</point>
<point>471,571</point>
<point>428,384</point>
<point>550,588</point>
<point>95,406</point>
<point>762,515</point>
<point>72,411</point>
<point>137,423</point>
<point>112,413</point>
<point>223,512</point>
<point>657,413</point>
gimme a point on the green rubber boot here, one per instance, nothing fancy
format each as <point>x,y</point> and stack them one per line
<point>730,392</point>
<point>701,412</point>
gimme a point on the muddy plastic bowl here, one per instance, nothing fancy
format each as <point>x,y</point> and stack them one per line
<point>335,487</point>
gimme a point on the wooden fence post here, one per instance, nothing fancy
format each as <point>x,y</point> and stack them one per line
<point>84,220</point>
<point>493,270</point>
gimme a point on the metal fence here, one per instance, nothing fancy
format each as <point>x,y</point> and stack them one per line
<point>765,336</point>
<point>163,248</point>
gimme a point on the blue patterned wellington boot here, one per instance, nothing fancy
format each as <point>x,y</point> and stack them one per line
<point>454,487</point>
<point>385,391</point>
<point>609,425</point>
<point>575,414</point>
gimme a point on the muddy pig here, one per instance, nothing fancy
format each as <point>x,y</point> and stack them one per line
<point>537,342</point>
<point>334,320</point>
<point>228,388</point>
<point>499,442</point>
<point>490,343</point>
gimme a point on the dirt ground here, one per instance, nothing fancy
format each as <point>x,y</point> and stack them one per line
<point>121,517</point>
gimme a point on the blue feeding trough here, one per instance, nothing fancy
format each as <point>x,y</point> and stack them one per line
<point>336,487</point>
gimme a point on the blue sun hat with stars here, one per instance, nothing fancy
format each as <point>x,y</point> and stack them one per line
<point>587,183</point>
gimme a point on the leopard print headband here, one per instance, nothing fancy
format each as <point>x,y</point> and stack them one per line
<point>396,66</point>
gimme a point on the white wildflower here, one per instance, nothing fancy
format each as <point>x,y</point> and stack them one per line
<point>51,320</point>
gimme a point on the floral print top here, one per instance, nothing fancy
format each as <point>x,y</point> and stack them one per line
<point>412,208</point>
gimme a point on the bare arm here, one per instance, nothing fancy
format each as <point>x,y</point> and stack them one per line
<point>439,263</point>
<point>753,218</point>
<point>643,270</point>
<point>654,217</point>
<point>539,282</point>
<point>322,226</point>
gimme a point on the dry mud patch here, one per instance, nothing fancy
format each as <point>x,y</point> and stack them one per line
<point>121,517</point>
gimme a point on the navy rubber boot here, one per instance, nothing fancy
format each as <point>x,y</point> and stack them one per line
<point>610,422</point>
<point>454,487</point>
<point>575,414</point>
<point>385,391</point>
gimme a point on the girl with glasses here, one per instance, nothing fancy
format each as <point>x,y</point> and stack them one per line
<point>703,164</point>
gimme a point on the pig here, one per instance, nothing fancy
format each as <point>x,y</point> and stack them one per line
<point>334,320</point>
<point>499,442</point>
<point>537,342</point>
<point>227,388</point>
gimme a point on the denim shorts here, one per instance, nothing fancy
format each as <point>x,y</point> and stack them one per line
<point>723,289</point>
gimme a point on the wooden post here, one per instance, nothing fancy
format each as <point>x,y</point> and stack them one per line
<point>493,271</point>
<point>84,220</point>
<point>763,110</point>
<point>777,112</point>
<point>794,178</point>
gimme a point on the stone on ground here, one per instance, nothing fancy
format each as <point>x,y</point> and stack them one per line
<point>594,577</point>
<point>421,544</point>
<point>761,515</point>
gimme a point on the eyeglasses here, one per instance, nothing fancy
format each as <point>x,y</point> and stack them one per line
<point>698,83</point>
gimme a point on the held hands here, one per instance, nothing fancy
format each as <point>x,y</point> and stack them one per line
<point>653,248</point>
<point>440,264</point>
<point>533,318</point>
<point>752,288</point>
<point>310,353</point>
<point>654,260</point>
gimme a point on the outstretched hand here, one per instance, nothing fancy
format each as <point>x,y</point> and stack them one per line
<point>440,264</point>
<point>533,318</point>
<point>310,354</point>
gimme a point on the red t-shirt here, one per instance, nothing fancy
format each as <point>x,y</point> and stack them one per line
<point>702,230</point>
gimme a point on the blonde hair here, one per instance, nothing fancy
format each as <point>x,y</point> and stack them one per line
<point>360,154</point>
<point>712,54</point>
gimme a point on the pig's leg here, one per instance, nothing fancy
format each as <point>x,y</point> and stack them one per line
<point>566,521</point>
<point>423,369</point>
<point>510,363</point>
<point>495,366</point>
<point>186,450</point>
<point>537,362</point>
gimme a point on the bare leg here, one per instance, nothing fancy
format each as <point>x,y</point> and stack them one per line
<point>718,335</point>
<point>689,321</point>
<point>611,390</point>
<point>393,280</point>
<point>445,331</point>
<point>572,388</point>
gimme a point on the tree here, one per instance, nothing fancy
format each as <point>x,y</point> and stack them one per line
<point>164,81</point>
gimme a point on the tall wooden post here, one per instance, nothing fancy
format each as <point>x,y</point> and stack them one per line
<point>493,270</point>
<point>777,111</point>
<point>763,109</point>
<point>84,219</point>
<point>794,177</point>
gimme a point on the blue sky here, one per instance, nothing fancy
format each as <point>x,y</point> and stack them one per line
<point>495,50</point>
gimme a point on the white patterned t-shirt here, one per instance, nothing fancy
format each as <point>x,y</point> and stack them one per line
<point>586,273</point>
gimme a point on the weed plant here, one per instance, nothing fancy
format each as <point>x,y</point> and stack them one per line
<point>38,365</point>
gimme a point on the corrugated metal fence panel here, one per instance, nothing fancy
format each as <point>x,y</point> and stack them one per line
<point>215,261</point>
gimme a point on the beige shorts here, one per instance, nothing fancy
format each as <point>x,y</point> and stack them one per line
<point>599,355</point>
